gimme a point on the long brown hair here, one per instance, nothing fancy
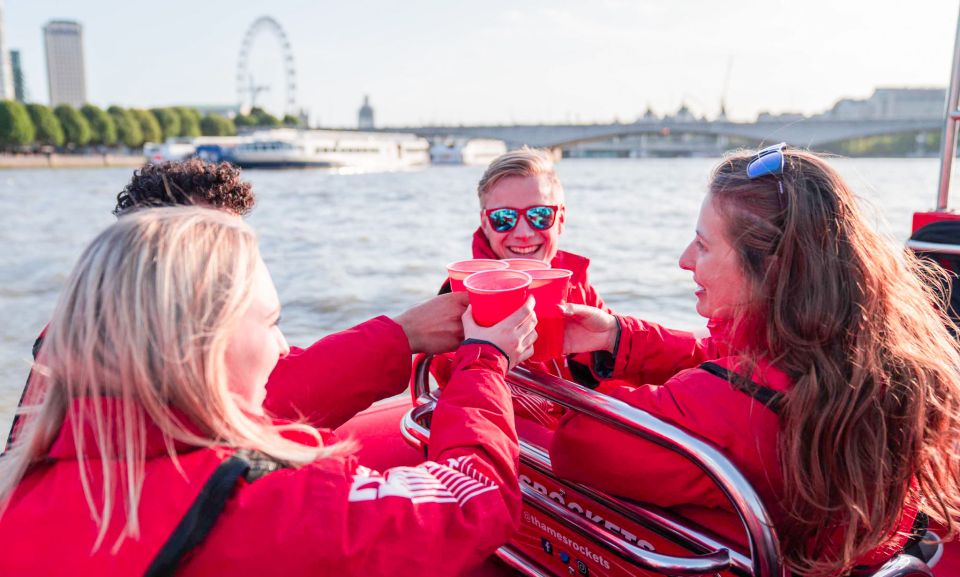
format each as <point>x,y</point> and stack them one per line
<point>873,418</point>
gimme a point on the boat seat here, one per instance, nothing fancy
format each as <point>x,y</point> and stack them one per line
<point>940,242</point>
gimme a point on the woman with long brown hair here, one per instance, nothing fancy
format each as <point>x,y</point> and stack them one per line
<point>829,376</point>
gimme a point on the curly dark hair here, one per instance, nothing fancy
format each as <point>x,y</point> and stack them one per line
<point>185,182</point>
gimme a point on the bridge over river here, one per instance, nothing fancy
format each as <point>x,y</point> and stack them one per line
<point>805,132</point>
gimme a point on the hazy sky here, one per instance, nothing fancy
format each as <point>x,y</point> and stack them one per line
<point>501,62</point>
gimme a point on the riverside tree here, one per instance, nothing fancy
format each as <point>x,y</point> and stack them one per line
<point>149,126</point>
<point>216,125</point>
<point>49,131</point>
<point>76,129</point>
<point>258,117</point>
<point>189,121</point>
<point>16,128</point>
<point>129,133</point>
<point>104,131</point>
<point>169,121</point>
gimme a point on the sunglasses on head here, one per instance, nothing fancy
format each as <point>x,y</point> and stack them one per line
<point>504,219</point>
<point>768,161</point>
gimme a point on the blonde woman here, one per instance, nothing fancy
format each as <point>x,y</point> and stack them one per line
<point>151,453</point>
<point>829,377</point>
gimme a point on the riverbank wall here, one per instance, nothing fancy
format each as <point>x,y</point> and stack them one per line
<point>69,160</point>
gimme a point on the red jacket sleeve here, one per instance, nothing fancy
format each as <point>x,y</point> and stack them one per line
<point>439,518</point>
<point>450,513</point>
<point>341,374</point>
<point>650,353</point>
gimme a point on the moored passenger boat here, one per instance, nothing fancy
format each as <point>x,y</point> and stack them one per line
<point>290,148</point>
<point>293,148</point>
<point>469,151</point>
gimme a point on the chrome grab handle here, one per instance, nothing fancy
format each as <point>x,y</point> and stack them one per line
<point>922,246</point>
<point>418,435</point>
<point>764,545</point>
<point>904,566</point>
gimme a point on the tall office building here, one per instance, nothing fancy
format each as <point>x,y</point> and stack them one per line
<point>19,85</point>
<point>63,40</point>
<point>6,76</point>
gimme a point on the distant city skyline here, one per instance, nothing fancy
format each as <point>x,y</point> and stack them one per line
<point>429,62</point>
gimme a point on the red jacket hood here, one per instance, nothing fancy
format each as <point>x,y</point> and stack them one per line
<point>65,446</point>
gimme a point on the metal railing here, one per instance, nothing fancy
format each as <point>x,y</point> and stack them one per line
<point>923,246</point>
<point>764,559</point>
<point>951,115</point>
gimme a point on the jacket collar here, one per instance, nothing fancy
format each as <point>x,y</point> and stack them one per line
<point>572,262</point>
<point>730,341</point>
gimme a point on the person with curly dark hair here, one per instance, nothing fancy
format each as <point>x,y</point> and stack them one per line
<point>183,182</point>
<point>308,383</point>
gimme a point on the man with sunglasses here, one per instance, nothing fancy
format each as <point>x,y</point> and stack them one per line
<point>522,215</point>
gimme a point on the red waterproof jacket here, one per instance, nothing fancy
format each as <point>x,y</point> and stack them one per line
<point>617,462</point>
<point>332,517</point>
<point>328,382</point>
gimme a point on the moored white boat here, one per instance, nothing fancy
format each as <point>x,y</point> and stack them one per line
<point>293,148</point>
<point>469,151</point>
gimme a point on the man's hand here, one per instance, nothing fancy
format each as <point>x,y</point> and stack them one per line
<point>514,335</point>
<point>434,326</point>
<point>588,329</point>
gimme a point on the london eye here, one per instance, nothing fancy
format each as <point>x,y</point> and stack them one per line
<point>249,84</point>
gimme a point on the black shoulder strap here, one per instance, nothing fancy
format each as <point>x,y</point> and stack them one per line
<point>203,514</point>
<point>23,396</point>
<point>198,521</point>
<point>766,396</point>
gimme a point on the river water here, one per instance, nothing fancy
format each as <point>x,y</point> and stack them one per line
<point>345,247</point>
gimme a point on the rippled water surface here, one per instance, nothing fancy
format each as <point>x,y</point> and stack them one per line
<point>344,248</point>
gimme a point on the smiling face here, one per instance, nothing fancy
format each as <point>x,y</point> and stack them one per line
<point>523,241</point>
<point>256,344</point>
<point>722,287</point>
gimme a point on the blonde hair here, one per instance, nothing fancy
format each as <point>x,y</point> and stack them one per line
<point>145,319</point>
<point>525,161</point>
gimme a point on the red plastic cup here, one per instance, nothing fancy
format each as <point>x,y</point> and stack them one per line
<point>549,288</point>
<point>496,294</point>
<point>457,271</point>
<point>526,263</point>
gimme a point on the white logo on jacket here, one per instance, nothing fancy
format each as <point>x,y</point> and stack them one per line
<point>457,481</point>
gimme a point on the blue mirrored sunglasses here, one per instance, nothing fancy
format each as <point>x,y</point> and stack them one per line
<point>767,161</point>
<point>540,217</point>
